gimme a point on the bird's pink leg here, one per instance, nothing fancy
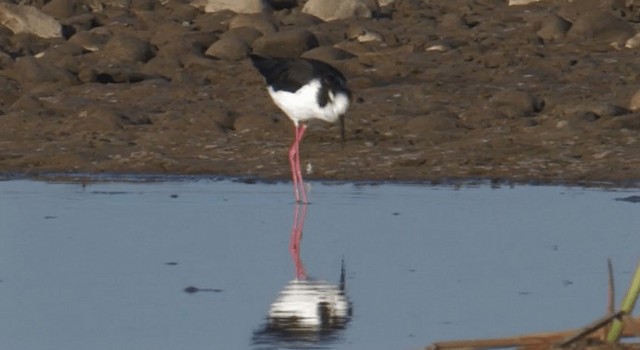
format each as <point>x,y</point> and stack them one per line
<point>296,239</point>
<point>294,161</point>
<point>301,130</point>
<point>293,151</point>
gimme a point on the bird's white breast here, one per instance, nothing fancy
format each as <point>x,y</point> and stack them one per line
<point>299,301</point>
<point>303,104</point>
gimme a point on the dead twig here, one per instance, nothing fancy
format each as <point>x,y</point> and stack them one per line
<point>546,339</point>
<point>509,342</point>
<point>631,325</point>
<point>594,326</point>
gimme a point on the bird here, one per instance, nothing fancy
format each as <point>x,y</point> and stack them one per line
<point>304,89</point>
<point>307,304</point>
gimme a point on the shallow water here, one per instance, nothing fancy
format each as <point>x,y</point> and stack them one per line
<point>197,264</point>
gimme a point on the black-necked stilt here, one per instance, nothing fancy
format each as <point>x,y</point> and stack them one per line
<point>304,89</point>
<point>307,304</point>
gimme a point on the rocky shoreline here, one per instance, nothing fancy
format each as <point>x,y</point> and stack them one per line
<point>543,92</point>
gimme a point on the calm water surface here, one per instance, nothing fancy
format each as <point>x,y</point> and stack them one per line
<point>198,264</point>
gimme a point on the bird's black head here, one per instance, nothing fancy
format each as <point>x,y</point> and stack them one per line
<point>336,83</point>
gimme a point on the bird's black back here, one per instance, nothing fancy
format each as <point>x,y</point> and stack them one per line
<point>290,74</point>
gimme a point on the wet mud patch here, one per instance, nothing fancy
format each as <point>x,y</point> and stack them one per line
<point>542,92</point>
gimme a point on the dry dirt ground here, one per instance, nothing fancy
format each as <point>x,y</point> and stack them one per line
<point>442,90</point>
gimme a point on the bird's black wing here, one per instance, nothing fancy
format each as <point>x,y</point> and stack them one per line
<point>283,73</point>
<point>332,81</point>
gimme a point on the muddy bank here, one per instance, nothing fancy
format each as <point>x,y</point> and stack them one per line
<point>442,90</point>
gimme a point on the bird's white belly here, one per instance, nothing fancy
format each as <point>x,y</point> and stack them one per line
<point>300,301</point>
<point>303,104</point>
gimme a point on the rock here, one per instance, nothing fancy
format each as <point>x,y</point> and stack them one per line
<point>28,44</point>
<point>238,6</point>
<point>101,5</point>
<point>605,109</point>
<point>513,103</point>
<point>228,48</point>
<point>26,102</point>
<point>145,5</point>
<point>90,41</point>
<point>362,34</point>
<point>441,47</point>
<point>178,50</point>
<point>9,92</point>
<point>353,31</point>
<point>117,74</point>
<point>291,43</point>
<point>581,111</point>
<point>633,42</point>
<point>369,36</point>
<point>197,61</point>
<point>357,49</point>
<point>28,19</point>
<point>521,2</point>
<point>328,53</point>
<point>331,10</point>
<point>296,18</point>
<point>180,11</point>
<point>5,60</point>
<point>283,4</point>
<point>64,55</point>
<point>167,33</point>
<point>29,69</point>
<point>199,40</point>
<point>245,34</point>
<point>553,29</point>
<point>262,24</point>
<point>97,119</point>
<point>452,21</point>
<point>88,75</point>
<point>629,121</point>
<point>61,9</point>
<point>80,23</point>
<point>600,27</point>
<point>214,22</point>
<point>571,10</point>
<point>635,101</point>
<point>149,19</point>
<point>127,48</point>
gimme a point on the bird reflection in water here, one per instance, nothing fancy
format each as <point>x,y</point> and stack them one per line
<point>307,313</point>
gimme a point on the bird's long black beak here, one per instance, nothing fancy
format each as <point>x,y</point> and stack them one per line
<point>342,134</point>
<point>342,276</point>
